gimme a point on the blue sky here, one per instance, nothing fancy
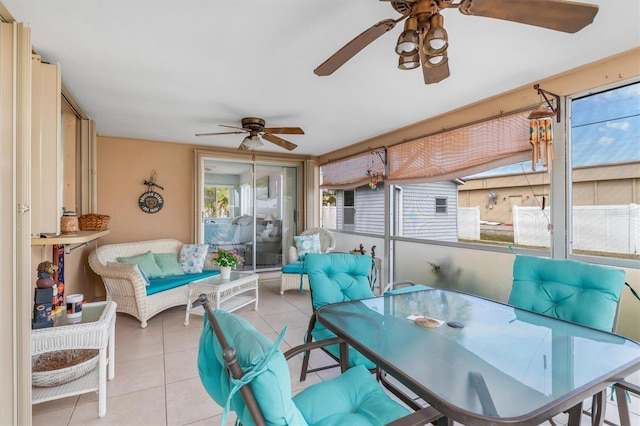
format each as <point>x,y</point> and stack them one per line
<point>605,128</point>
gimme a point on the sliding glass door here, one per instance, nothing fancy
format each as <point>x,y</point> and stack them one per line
<point>249,208</point>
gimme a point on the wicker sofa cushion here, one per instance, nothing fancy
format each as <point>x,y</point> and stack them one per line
<point>168,262</point>
<point>156,285</point>
<point>146,262</point>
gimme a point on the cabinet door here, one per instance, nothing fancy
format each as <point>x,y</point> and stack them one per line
<point>46,148</point>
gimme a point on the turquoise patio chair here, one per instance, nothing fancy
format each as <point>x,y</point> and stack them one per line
<point>570,290</point>
<point>244,372</point>
<point>334,278</point>
<point>340,277</point>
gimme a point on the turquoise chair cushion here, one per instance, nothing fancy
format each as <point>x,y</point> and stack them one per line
<point>353,398</point>
<point>293,268</point>
<point>574,291</point>
<point>338,277</point>
<point>334,278</point>
<point>271,387</point>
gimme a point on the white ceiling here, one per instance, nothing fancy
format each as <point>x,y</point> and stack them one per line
<point>167,69</point>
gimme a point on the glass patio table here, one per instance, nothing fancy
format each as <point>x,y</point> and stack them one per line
<point>503,366</point>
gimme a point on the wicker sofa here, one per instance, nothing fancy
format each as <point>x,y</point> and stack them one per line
<point>126,286</point>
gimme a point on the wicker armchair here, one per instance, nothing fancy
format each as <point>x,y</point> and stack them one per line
<point>327,242</point>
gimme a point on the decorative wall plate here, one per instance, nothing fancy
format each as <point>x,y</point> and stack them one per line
<point>151,202</point>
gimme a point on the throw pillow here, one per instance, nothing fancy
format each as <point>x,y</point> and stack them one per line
<point>168,262</point>
<point>307,244</point>
<point>146,262</point>
<point>116,264</point>
<point>192,257</point>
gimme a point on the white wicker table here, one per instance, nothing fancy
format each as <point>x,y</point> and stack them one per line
<point>228,294</point>
<point>95,331</point>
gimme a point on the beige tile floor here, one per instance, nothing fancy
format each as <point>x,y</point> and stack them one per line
<point>157,381</point>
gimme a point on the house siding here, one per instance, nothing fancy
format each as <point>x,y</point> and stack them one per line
<point>419,217</point>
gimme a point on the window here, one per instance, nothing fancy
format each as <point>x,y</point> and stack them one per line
<point>217,200</point>
<point>605,164</point>
<point>441,205</point>
<point>349,209</point>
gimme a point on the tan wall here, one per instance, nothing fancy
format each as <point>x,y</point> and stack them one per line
<point>123,166</point>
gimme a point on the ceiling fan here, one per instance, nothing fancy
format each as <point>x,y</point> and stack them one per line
<point>255,127</point>
<point>424,41</point>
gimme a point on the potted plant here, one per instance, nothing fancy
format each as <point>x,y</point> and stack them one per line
<point>227,260</point>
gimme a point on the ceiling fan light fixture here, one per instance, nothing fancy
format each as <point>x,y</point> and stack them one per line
<point>436,40</point>
<point>252,141</point>
<point>408,42</point>
<point>409,62</point>
<point>436,60</point>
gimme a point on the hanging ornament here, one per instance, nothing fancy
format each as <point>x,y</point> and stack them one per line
<point>541,130</point>
<point>374,178</point>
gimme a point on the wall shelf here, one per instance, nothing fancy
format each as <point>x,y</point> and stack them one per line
<point>81,239</point>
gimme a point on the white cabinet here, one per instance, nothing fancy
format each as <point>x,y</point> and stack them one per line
<point>46,148</point>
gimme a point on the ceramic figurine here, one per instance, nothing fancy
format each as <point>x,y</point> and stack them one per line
<point>46,270</point>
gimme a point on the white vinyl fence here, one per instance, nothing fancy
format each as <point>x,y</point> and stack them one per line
<point>610,229</point>
<point>531,226</point>
<point>469,223</point>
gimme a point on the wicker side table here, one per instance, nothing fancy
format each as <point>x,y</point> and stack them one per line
<point>95,331</point>
<point>228,294</point>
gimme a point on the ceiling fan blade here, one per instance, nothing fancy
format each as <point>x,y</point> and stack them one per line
<point>233,127</point>
<point>219,133</point>
<point>284,130</point>
<point>558,15</point>
<point>350,49</point>
<point>435,74</point>
<point>279,141</point>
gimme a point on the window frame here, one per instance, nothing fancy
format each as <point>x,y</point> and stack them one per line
<point>568,182</point>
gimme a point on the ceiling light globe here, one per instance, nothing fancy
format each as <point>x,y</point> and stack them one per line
<point>407,43</point>
<point>437,43</point>
<point>436,60</point>
<point>252,142</point>
<point>409,62</point>
<point>436,40</point>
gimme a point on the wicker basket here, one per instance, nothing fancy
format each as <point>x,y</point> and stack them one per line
<point>59,367</point>
<point>94,222</point>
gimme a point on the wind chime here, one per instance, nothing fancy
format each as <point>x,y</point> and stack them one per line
<point>375,177</point>
<point>541,129</point>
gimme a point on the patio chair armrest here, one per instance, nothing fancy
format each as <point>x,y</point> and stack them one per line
<point>312,345</point>
<point>420,417</point>
<point>396,284</point>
